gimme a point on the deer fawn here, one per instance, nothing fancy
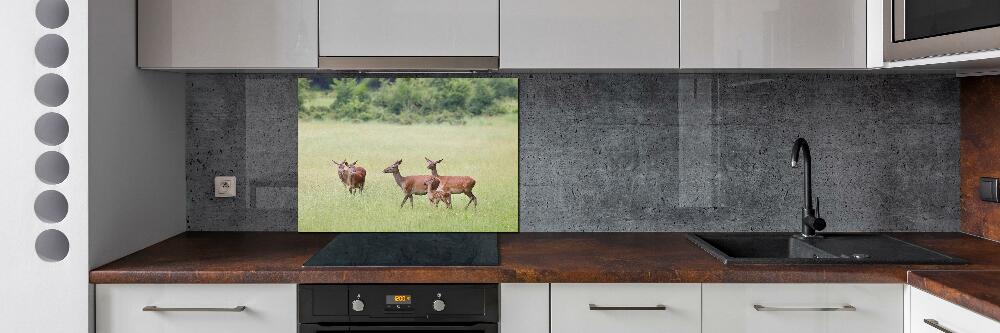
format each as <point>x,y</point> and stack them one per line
<point>342,172</point>
<point>410,184</point>
<point>356,178</point>
<point>454,184</point>
<point>435,194</point>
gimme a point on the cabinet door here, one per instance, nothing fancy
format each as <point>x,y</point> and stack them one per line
<point>588,34</point>
<point>524,308</point>
<point>929,314</point>
<point>227,33</point>
<point>406,28</point>
<point>269,308</point>
<point>626,307</point>
<point>773,34</point>
<point>816,308</point>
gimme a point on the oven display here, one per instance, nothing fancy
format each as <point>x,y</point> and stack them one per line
<point>399,303</point>
<point>398,299</point>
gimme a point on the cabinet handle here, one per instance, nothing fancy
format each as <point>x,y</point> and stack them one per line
<point>660,307</point>
<point>848,307</point>
<point>154,308</point>
<point>935,324</point>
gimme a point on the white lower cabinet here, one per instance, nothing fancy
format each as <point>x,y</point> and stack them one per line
<point>196,308</point>
<point>930,314</point>
<point>816,308</point>
<point>625,307</point>
<point>524,307</point>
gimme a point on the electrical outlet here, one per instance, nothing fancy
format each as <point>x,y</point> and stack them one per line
<point>225,187</point>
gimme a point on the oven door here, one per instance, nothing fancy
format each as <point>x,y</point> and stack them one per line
<point>474,328</point>
<point>926,28</point>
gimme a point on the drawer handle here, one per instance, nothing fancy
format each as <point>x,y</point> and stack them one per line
<point>658,307</point>
<point>848,307</point>
<point>154,308</point>
<point>935,324</point>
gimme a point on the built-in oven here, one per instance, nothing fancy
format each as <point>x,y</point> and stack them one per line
<point>928,28</point>
<point>387,308</point>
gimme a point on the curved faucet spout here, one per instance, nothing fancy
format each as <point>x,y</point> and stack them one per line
<point>810,222</point>
<point>807,188</point>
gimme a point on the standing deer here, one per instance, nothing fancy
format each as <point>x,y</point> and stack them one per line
<point>435,194</point>
<point>410,184</point>
<point>356,178</point>
<point>342,172</point>
<point>454,184</point>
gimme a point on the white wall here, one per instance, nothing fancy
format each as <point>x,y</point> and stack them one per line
<point>125,150</point>
<point>137,186</point>
<point>38,295</point>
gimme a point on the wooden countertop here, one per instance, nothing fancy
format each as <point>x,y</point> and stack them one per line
<point>277,257</point>
<point>978,291</point>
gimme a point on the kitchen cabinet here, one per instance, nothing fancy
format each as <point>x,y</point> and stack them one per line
<point>625,307</point>
<point>405,28</point>
<point>930,314</point>
<point>589,34</point>
<point>777,34</point>
<point>818,308</point>
<point>126,308</point>
<point>524,307</point>
<point>194,34</point>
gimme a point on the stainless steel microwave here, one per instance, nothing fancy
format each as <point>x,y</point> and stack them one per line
<point>916,29</point>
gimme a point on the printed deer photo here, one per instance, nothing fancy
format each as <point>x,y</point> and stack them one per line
<point>465,130</point>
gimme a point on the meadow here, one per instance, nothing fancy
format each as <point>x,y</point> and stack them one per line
<point>485,148</point>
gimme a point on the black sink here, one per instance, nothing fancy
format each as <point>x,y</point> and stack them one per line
<point>786,248</point>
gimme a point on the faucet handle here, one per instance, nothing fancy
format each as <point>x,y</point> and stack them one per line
<point>817,206</point>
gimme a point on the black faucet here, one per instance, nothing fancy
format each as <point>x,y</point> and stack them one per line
<point>810,221</point>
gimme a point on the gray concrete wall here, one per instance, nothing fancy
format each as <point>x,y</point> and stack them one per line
<point>640,152</point>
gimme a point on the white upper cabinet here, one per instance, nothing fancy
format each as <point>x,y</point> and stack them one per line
<point>775,34</point>
<point>227,33</point>
<point>408,28</point>
<point>589,34</point>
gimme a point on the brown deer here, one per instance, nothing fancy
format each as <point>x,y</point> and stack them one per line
<point>342,172</point>
<point>454,184</point>
<point>356,178</point>
<point>435,194</point>
<point>410,184</point>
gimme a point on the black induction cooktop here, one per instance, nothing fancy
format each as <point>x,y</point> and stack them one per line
<point>409,249</point>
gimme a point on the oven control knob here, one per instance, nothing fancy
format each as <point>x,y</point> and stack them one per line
<point>358,305</point>
<point>438,305</point>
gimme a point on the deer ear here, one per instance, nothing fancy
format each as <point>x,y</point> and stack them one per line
<point>439,161</point>
<point>400,161</point>
<point>428,160</point>
<point>355,163</point>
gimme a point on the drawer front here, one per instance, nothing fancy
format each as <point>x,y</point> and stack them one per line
<point>571,310</point>
<point>730,308</point>
<point>946,315</point>
<point>269,308</point>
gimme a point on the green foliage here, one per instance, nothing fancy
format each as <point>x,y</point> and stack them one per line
<point>407,100</point>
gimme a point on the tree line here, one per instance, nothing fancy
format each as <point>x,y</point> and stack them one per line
<point>406,100</point>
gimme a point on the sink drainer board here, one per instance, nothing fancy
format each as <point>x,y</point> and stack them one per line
<point>834,248</point>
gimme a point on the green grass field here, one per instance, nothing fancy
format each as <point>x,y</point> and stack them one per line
<point>484,148</point>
